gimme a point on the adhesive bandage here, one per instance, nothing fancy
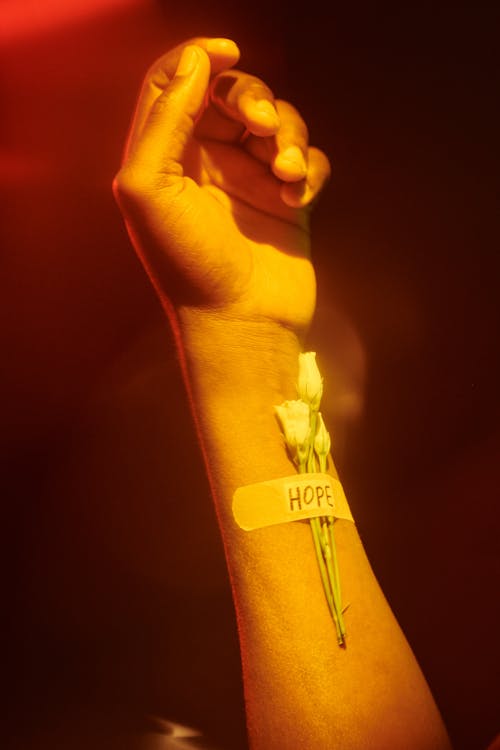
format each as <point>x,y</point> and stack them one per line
<point>292,498</point>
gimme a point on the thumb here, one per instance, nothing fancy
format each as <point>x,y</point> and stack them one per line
<point>171,120</point>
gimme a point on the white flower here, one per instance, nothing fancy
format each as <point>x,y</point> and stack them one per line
<point>322,441</point>
<point>294,417</point>
<point>310,382</point>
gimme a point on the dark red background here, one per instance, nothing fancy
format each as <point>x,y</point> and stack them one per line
<point>117,603</point>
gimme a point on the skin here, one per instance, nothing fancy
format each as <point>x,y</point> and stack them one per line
<point>216,188</point>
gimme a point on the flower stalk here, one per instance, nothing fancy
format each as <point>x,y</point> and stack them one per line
<point>309,443</point>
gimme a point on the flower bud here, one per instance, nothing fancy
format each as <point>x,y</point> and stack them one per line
<point>294,417</point>
<point>310,382</point>
<point>322,441</point>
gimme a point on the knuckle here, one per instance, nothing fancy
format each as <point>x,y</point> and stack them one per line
<point>292,121</point>
<point>128,184</point>
<point>156,77</point>
<point>136,189</point>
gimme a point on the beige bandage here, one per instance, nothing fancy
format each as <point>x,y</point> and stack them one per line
<point>289,499</point>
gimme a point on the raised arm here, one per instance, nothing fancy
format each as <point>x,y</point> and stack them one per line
<point>216,187</point>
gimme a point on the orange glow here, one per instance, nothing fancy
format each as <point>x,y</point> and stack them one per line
<point>17,168</point>
<point>23,18</point>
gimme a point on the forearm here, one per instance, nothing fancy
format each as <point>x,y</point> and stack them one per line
<point>301,689</point>
<point>220,218</point>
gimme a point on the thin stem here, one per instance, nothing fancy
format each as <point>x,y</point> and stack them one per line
<point>323,546</point>
<point>319,542</point>
<point>334,581</point>
<point>335,559</point>
<point>332,560</point>
<point>314,523</point>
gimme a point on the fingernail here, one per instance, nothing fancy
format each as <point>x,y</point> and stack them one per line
<point>292,157</point>
<point>267,113</point>
<point>222,46</point>
<point>188,62</point>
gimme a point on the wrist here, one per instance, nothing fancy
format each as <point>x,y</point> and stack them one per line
<point>235,354</point>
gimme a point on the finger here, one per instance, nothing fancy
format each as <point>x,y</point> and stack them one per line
<point>263,149</point>
<point>222,54</point>
<point>167,130</point>
<point>213,125</point>
<point>245,100</point>
<point>303,193</point>
<point>291,154</point>
<point>243,178</point>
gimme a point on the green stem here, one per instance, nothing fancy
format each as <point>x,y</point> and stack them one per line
<point>316,532</point>
<point>333,573</point>
<point>319,543</point>
<point>332,561</point>
<point>335,559</point>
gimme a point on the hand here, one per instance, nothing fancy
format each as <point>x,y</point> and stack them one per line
<point>216,185</point>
